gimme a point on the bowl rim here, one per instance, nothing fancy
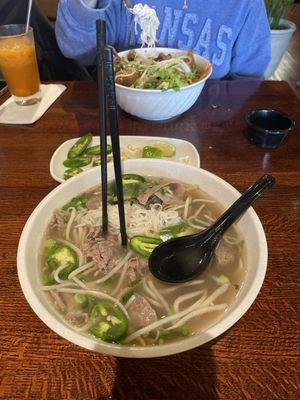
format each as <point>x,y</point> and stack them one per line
<point>64,330</point>
<point>173,50</point>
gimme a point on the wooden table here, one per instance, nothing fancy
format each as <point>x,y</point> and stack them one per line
<point>257,358</point>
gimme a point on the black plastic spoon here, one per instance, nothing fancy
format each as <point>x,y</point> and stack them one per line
<point>181,259</point>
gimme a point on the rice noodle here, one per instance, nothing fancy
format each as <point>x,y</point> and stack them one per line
<point>208,201</point>
<point>79,282</point>
<point>160,297</point>
<point>95,293</point>
<point>201,222</point>
<point>199,210</point>
<point>141,340</point>
<point>188,296</point>
<point>240,266</point>
<point>146,17</point>
<point>209,218</point>
<point>191,222</point>
<point>178,315</point>
<point>218,292</point>
<point>121,280</point>
<point>139,220</point>
<point>48,288</point>
<point>57,271</point>
<point>75,236</point>
<point>70,222</point>
<point>87,326</point>
<point>153,302</point>
<point>196,313</point>
<point>156,336</point>
<point>173,288</point>
<point>131,300</point>
<point>186,208</point>
<point>230,239</point>
<point>81,269</point>
<point>153,296</point>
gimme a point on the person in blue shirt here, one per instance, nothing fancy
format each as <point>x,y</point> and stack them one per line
<point>233,34</point>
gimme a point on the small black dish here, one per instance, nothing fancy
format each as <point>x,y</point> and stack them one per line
<point>268,128</point>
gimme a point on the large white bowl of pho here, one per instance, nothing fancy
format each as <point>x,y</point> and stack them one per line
<point>101,296</point>
<point>159,83</point>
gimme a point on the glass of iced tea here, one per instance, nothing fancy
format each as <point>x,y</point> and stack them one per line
<point>18,63</point>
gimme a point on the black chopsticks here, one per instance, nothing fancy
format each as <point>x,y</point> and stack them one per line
<point>108,118</point>
<point>101,43</point>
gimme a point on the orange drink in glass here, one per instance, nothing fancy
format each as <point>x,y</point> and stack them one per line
<point>18,63</point>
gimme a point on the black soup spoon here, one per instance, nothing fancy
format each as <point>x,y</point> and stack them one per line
<point>181,259</point>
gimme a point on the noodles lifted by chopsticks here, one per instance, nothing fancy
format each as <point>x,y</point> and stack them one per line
<point>147,19</point>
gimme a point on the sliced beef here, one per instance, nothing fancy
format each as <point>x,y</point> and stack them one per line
<point>94,201</point>
<point>93,233</point>
<point>179,190</point>
<point>141,312</point>
<point>103,252</point>
<point>58,220</point>
<point>127,78</point>
<point>144,197</point>
<point>191,59</point>
<point>131,55</point>
<point>224,254</point>
<point>163,57</point>
<point>137,268</point>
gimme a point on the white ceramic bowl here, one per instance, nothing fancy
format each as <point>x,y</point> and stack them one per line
<point>249,226</point>
<point>158,105</point>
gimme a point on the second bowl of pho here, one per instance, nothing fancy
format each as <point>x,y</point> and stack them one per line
<point>101,296</point>
<point>159,83</point>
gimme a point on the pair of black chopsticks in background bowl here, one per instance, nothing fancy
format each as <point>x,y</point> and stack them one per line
<point>108,122</point>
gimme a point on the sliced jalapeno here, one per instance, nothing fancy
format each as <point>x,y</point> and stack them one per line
<point>144,245</point>
<point>113,324</point>
<point>130,291</point>
<point>151,152</point>
<point>79,147</point>
<point>133,186</point>
<point>77,202</point>
<point>77,162</point>
<point>82,300</point>
<point>57,255</point>
<point>96,162</point>
<point>69,173</point>
<point>132,178</point>
<point>175,231</point>
<point>93,151</point>
<point>96,150</point>
<point>48,279</point>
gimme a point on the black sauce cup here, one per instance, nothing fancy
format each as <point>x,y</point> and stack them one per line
<point>268,128</point>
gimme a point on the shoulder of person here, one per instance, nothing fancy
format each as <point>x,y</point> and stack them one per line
<point>246,4</point>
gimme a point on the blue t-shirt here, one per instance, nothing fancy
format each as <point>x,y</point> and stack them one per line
<point>233,34</point>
